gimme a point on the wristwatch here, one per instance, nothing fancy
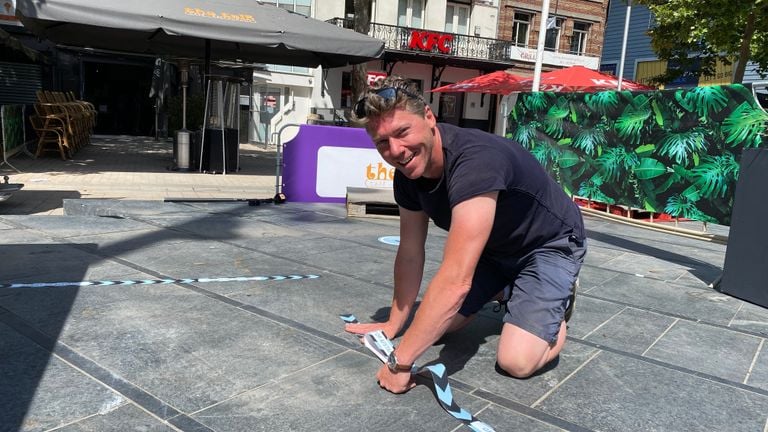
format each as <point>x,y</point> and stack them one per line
<point>396,367</point>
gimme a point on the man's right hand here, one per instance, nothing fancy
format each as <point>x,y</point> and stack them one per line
<point>363,328</point>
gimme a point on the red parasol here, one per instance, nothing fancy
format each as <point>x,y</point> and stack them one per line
<point>574,78</point>
<point>579,78</point>
<point>501,82</point>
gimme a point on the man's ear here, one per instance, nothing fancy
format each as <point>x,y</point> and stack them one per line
<point>429,115</point>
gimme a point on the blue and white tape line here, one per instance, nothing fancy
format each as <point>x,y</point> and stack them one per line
<point>378,344</point>
<point>156,281</point>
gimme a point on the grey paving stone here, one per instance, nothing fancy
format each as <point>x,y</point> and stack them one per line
<point>186,349</point>
<point>338,394</point>
<point>39,392</point>
<point>223,227</point>
<point>338,226</point>
<point>475,359</point>
<point>124,418</point>
<point>712,350</point>
<point>202,355</point>
<point>616,393</point>
<point>597,255</point>
<point>119,242</point>
<point>77,225</point>
<point>632,330</point>
<point>591,276</point>
<point>301,246</point>
<point>507,420</point>
<point>261,266</point>
<point>751,318</point>
<point>650,267</point>
<point>112,207</point>
<point>698,278</point>
<point>43,262</point>
<point>190,259</point>
<point>95,272</point>
<point>319,302</point>
<point>590,313</point>
<point>364,262</point>
<point>696,304</point>
<point>23,236</point>
<point>664,246</point>
<point>758,376</point>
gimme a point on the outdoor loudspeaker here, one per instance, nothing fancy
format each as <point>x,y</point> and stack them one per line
<point>745,272</point>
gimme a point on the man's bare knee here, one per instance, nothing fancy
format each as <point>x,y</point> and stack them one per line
<point>516,366</point>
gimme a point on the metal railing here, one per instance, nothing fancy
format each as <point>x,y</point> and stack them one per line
<point>399,38</point>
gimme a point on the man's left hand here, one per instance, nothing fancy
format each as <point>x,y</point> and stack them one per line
<point>399,382</point>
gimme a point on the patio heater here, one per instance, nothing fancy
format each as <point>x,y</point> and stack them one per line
<point>182,149</point>
<point>219,147</point>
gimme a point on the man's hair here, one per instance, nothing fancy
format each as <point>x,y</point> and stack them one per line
<point>407,97</point>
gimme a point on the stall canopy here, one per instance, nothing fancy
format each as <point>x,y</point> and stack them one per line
<point>244,30</point>
<point>574,78</point>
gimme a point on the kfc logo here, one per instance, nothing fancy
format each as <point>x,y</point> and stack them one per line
<point>427,41</point>
<point>375,77</point>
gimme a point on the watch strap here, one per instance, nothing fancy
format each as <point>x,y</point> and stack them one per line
<point>394,366</point>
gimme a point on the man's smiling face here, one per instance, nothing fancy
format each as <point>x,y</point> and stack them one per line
<point>407,142</point>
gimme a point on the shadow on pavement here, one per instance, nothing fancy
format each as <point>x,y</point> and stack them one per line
<point>25,202</point>
<point>24,313</point>
<point>32,318</point>
<point>703,271</point>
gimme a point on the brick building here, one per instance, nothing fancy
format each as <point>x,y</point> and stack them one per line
<point>574,35</point>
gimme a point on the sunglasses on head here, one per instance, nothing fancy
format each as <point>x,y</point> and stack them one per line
<point>387,93</point>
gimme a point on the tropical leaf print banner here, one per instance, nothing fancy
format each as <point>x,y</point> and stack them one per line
<point>664,151</point>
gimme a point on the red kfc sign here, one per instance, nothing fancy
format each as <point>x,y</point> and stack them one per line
<point>427,41</point>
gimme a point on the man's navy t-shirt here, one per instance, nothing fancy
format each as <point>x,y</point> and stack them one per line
<point>531,210</point>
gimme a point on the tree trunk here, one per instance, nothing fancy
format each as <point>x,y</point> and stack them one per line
<point>744,51</point>
<point>362,23</point>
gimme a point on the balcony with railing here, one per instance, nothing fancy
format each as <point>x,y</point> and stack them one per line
<point>458,46</point>
<point>422,41</point>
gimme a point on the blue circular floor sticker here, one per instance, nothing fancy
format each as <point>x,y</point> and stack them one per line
<point>390,240</point>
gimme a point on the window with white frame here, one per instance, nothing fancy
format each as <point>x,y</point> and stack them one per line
<point>579,38</point>
<point>552,38</point>
<point>457,18</point>
<point>521,25</point>
<point>301,70</point>
<point>410,13</point>
<point>299,6</point>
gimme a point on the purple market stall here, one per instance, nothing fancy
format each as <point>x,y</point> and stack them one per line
<point>321,162</point>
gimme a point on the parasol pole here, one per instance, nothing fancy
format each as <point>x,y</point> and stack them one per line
<point>540,45</point>
<point>624,45</point>
<point>207,62</point>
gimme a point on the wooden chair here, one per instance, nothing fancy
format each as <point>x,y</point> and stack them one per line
<point>50,130</point>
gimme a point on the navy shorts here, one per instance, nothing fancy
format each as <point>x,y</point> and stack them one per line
<point>541,282</point>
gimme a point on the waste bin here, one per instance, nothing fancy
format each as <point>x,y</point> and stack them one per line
<point>181,152</point>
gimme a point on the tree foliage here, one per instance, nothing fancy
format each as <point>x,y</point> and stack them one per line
<point>694,34</point>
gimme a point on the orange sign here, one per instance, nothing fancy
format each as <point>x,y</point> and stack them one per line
<point>222,15</point>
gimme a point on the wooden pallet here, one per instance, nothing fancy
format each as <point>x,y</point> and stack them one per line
<point>371,202</point>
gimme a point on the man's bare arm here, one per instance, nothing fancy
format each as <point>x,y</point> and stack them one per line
<point>471,224</point>
<point>408,271</point>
